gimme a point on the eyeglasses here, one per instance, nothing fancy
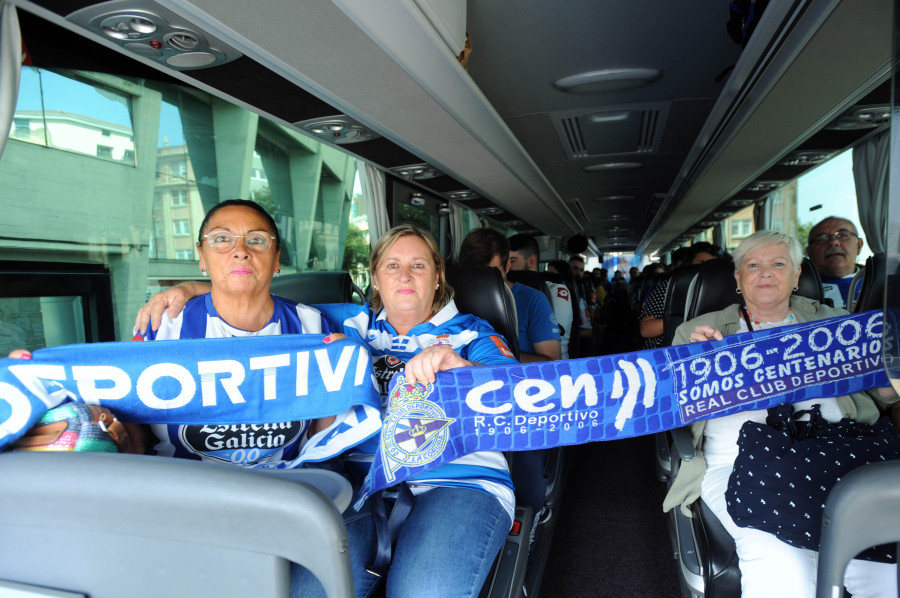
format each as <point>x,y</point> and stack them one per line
<point>841,235</point>
<point>223,242</point>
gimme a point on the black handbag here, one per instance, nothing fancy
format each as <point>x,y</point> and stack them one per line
<point>786,467</point>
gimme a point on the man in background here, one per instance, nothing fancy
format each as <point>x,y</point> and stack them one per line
<point>833,247</point>
<point>538,329</point>
<point>524,254</point>
<point>587,299</point>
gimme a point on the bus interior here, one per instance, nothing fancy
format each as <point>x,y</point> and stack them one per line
<point>616,130</point>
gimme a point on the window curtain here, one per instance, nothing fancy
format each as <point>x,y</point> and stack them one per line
<point>373,187</point>
<point>462,222</point>
<point>10,67</point>
<point>870,173</point>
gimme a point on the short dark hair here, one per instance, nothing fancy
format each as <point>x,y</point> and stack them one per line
<point>243,203</point>
<point>577,258</point>
<point>682,254</point>
<point>704,247</point>
<point>525,244</point>
<point>481,245</point>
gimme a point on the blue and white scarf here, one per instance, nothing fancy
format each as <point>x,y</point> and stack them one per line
<point>490,408</point>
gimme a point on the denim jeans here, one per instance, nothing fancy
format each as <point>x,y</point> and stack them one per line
<point>446,547</point>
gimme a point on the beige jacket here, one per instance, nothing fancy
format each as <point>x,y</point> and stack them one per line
<point>861,406</point>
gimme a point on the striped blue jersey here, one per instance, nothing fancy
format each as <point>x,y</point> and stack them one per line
<point>249,445</point>
<point>473,339</point>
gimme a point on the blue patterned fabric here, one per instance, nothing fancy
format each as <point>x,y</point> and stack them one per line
<point>468,410</point>
<point>542,405</point>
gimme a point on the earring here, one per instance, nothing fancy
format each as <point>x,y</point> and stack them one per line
<point>796,288</point>
<point>738,290</point>
<point>204,272</point>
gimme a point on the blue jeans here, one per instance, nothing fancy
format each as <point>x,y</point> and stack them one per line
<point>446,547</point>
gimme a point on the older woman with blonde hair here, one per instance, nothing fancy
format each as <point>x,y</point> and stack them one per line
<point>767,272</point>
<point>462,510</point>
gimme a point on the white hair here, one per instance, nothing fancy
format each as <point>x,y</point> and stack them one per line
<point>768,237</point>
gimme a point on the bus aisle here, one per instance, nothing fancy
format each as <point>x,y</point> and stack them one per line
<point>611,539</point>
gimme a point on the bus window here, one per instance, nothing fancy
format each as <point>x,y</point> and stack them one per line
<point>122,172</point>
<point>828,190</point>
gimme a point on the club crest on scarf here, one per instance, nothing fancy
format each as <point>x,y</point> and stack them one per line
<point>415,432</point>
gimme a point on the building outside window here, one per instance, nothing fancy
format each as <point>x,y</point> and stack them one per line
<point>181,228</point>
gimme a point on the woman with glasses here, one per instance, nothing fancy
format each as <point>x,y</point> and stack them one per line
<point>239,249</point>
<point>462,510</point>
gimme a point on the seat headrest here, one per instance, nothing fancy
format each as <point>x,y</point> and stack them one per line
<point>529,278</point>
<point>715,287</point>
<point>676,299</point>
<point>481,291</point>
<point>872,293</point>
<point>318,287</point>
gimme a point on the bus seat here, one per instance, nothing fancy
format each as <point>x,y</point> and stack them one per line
<point>542,494</point>
<point>532,279</point>
<point>676,300</point>
<point>318,287</point>
<point>871,294</point>
<point>480,291</point>
<point>106,525</point>
<point>715,287</point>
<point>851,521</point>
<point>704,548</point>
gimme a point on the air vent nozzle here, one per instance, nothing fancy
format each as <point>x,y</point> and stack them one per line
<point>339,129</point>
<point>151,31</point>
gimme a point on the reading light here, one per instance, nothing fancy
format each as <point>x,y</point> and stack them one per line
<point>616,198</point>
<point>607,80</point>
<point>612,166</point>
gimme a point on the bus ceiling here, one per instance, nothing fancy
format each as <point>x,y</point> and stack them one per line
<point>593,119</point>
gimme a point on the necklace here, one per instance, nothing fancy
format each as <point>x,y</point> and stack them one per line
<point>790,316</point>
<point>264,322</point>
<point>250,332</point>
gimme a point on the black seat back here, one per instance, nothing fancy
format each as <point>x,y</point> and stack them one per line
<point>481,291</point>
<point>715,287</point>
<point>871,295</point>
<point>532,279</point>
<point>318,287</point>
<point>676,300</point>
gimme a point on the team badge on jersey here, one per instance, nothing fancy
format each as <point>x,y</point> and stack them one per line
<point>562,293</point>
<point>502,346</point>
<point>416,430</point>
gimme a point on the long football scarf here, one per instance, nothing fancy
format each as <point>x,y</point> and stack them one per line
<point>501,408</point>
<point>548,404</point>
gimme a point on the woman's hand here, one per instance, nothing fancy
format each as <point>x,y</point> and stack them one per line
<point>704,333</point>
<point>437,358</point>
<point>334,336</point>
<point>20,354</point>
<point>173,298</point>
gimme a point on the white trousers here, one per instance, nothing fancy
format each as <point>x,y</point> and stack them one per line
<point>771,568</point>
